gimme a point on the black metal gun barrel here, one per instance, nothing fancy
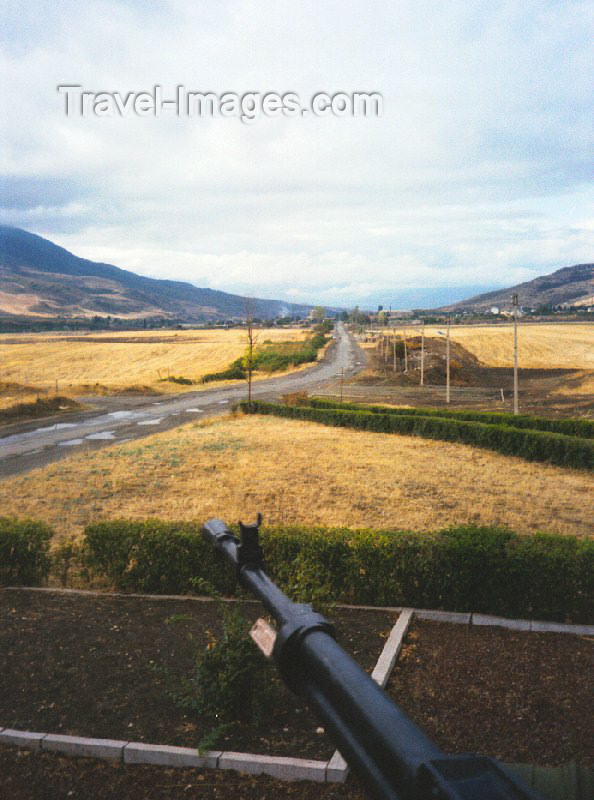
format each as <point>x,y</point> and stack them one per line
<point>392,756</point>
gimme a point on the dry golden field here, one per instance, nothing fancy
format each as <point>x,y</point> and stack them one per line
<point>298,472</point>
<point>120,360</point>
<point>542,346</point>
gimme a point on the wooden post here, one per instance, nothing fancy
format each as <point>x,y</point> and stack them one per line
<point>423,355</point>
<point>405,351</point>
<point>448,363</point>
<point>515,311</point>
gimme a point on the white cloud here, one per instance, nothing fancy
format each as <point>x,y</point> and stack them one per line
<point>475,173</point>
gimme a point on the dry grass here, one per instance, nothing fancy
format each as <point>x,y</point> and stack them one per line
<point>545,346</point>
<point>298,472</point>
<point>79,362</point>
<point>582,383</point>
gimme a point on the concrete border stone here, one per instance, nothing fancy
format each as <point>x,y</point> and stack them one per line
<point>29,740</point>
<point>83,746</point>
<point>456,617</point>
<point>337,770</point>
<point>501,622</point>
<point>561,627</point>
<point>392,647</point>
<point>280,767</point>
<point>169,756</point>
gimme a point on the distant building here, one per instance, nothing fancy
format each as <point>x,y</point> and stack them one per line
<point>494,309</point>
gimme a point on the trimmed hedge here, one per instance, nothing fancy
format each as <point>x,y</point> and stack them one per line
<point>584,428</point>
<point>464,568</point>
<point>152,556</point>
<point>556,448</point>
<point>24,552</point>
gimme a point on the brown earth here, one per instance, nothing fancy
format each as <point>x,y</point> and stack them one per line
<point>519,697</point>
<point>103,665</point>
<point>548,392</point>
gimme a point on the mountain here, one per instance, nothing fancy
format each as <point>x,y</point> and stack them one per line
<point>39,279</point>
<point>571,285</point>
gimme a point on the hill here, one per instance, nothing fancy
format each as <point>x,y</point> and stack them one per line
<point>571,285</point>
<point>39,279</point>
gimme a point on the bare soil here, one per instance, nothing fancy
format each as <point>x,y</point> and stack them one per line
<point>78,664</point>
<point>519,697</point>
<point>103,666</point>
<point>45,776</point>
<point>473,384</point>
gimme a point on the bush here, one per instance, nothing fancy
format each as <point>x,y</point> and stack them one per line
<point>584,428</point>
<point>464,568</point>
<point>153,556</point>
<point>24,552</point>
<point>233,373</point>
<point>533,445</point>
<point>231,680</point>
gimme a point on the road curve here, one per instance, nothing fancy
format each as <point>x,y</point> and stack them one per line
<point>34,444</point>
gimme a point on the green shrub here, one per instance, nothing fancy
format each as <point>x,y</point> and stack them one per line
<point>231,680</point>
<point>153,556</point>
<point>463,568</point>
<point>533,445</point>
<point>583,428</point>
<point>233,373</point>
<point>24,552</point>
<point>179,379</point>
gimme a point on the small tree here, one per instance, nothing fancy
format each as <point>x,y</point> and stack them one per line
<point>319,313</point>
<point>251,338</point>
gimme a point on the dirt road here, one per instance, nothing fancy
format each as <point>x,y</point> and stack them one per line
<point>117,419</point>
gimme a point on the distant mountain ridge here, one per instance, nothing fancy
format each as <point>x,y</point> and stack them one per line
<point>568,285</point>
<point>40,279</point>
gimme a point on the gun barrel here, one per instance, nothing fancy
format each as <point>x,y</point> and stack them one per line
<point>390,753</point>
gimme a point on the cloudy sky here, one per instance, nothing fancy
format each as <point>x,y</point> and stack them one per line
<point>475,174</point>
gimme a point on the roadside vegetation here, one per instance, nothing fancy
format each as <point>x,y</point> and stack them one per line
<point>111,363</point>
<point>272,357</point>
<point>299,473</point>
<point>562,442</point>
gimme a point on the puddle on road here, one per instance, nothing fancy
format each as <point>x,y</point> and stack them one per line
<point>120,414</point>
<point>151,421</point>
<point>70,443</point>
<point>102,435</point>
<point>194,411</point>
<point>59,426</point>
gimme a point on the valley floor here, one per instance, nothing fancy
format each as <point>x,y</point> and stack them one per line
<point>297,472</point>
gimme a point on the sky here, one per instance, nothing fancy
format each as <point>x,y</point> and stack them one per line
<point>476,174</point>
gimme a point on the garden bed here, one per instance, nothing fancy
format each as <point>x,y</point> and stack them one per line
<point>104,666</point>
<point>516,696</point>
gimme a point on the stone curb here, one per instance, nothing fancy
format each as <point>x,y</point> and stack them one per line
<point>83,747</point>
<point>28,740</point>
<point>338,769</point>
<point>281,767</point>
<point>199,598</point>
<point>169,756</point>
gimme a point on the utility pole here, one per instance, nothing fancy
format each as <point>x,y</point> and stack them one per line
<point>423,355</point>
<point>394,346</point>
<point>448,363</point>
<point>405,352</point>
<point>515,312</point>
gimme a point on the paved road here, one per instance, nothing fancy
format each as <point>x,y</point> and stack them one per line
<point>116,419</point>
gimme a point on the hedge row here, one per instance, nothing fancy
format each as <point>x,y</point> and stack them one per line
<point>468,568</point>
<point>24,552</point>
<point>584,428</point>
<point>464,568</point>
<point>556,448</point>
